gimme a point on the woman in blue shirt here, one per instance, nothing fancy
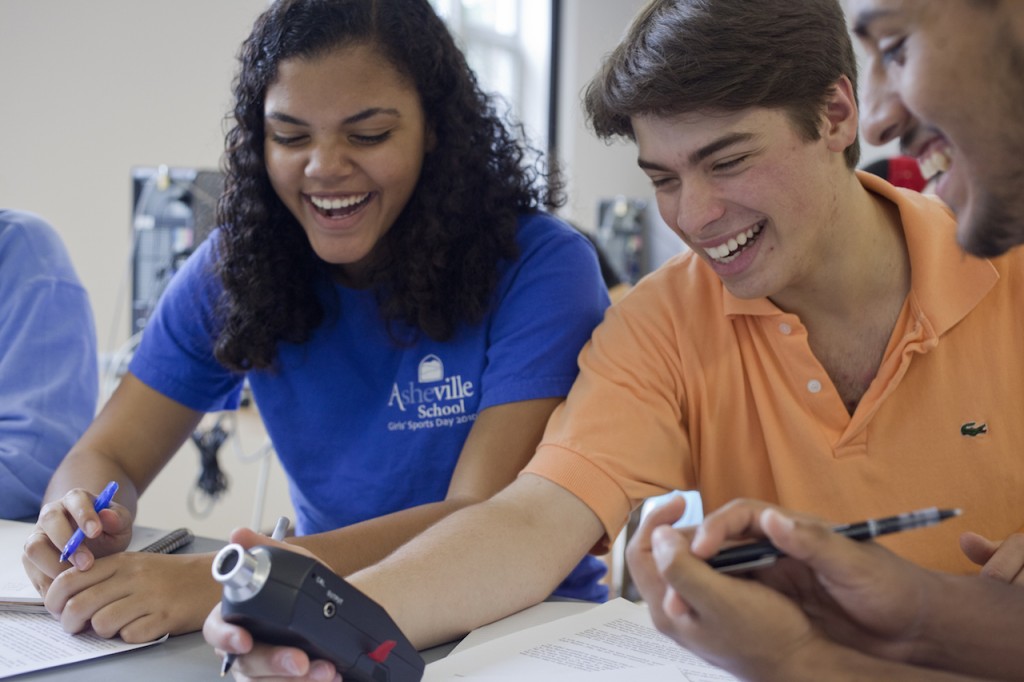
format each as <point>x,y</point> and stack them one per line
<point>385,279</point>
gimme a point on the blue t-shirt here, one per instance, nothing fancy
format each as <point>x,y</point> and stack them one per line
<point>48,365</point>
<point>365,426</point>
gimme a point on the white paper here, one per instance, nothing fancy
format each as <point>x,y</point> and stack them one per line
<point>659,673</point>
<point>15,587</point>
<point>613,641</point>
<point>36,641</point>
<point>544,612</point>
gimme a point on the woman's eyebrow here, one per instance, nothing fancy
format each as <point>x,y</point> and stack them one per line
<point>371,112</point>
<point>354,118</point>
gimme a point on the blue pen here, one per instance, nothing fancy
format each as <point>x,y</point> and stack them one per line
<point>102,502</point>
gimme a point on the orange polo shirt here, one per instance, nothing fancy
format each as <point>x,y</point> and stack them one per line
<point>684,386</point>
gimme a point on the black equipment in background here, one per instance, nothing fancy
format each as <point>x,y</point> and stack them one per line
<point>173,210</point>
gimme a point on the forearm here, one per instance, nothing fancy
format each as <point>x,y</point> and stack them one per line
<point>974,626</point>
<point>86,469</point>
<point>484,562</point>
<point>134,436</point>
<point>347,550</point>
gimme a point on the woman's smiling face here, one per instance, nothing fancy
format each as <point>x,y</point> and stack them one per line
<point>345,139</point>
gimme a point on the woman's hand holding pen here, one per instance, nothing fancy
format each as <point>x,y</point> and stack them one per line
<point>107,531</point>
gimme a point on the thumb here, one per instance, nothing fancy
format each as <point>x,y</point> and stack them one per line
<point>685,575</point>
<point>977,548</point>
<point>116,519</point>
<point>830,555</point>
<point>667,512</point>
<point>248,538</point>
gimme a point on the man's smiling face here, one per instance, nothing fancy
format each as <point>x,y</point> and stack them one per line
<point>945,78</point>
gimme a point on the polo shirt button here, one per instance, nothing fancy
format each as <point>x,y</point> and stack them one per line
<point>785,329</point>
<point>814,386</point>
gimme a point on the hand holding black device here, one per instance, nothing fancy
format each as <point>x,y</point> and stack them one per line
<point>286,598</point>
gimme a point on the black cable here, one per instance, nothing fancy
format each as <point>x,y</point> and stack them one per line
<point>212,479</point>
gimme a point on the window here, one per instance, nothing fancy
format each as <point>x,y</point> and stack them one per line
<point>508,44</point>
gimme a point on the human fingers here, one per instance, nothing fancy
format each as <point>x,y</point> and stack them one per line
<point>72,600</point>
<point>638,552</point>
<point>869,584</point>
<point>78,503</point>
<point>249,538</point>
<point>146,595</point>
<point>117,522</point>
<point>263,662</point>
<point>735,623</point>
<point>1000,560</point>
<point>693,586</point>
<point>113,538</point>
<point>737,519</point>
<point>977,548</point>
<point>41,561</point>
<point>267,662</point>
<point>667,546</point>
<point>105,532</point>
<point>75,596</point>
<point>225,637</point>
<point>52,531</point>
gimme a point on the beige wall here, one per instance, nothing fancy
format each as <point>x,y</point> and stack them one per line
<point>594,170</point>
<point>90,89</point>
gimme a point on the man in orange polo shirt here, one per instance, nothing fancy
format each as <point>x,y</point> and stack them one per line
<point>824,345</point>
<point>943,78</point>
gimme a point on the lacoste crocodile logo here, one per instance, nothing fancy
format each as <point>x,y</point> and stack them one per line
<point>971,429</point>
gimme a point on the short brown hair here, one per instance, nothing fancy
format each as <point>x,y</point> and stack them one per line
<point>683,56</point>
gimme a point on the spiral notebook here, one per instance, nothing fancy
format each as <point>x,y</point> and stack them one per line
<point>171,542</point>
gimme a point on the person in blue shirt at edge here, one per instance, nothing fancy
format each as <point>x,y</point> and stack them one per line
<point>406,315</point>
<point>49,380</point>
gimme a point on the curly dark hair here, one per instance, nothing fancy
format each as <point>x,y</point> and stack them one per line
<point>437,266</point>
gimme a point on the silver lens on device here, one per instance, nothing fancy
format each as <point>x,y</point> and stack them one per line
<point>243,573</point>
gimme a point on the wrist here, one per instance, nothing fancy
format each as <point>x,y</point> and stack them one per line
<point>823,659</point>
<point>928,638</point>
<point>204,590</point>
<point>816,659</point>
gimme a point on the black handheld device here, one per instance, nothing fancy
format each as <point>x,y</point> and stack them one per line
<point>286,598</point>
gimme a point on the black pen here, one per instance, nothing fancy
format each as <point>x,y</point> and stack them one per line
<point>756,554</point>
<point>280,530</point>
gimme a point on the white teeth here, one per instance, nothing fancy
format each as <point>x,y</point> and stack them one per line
<point>724,252</point>
<point>937,161</point>
<point>336,203</point>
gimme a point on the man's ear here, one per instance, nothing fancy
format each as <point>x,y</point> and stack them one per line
<point>841,117</point>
